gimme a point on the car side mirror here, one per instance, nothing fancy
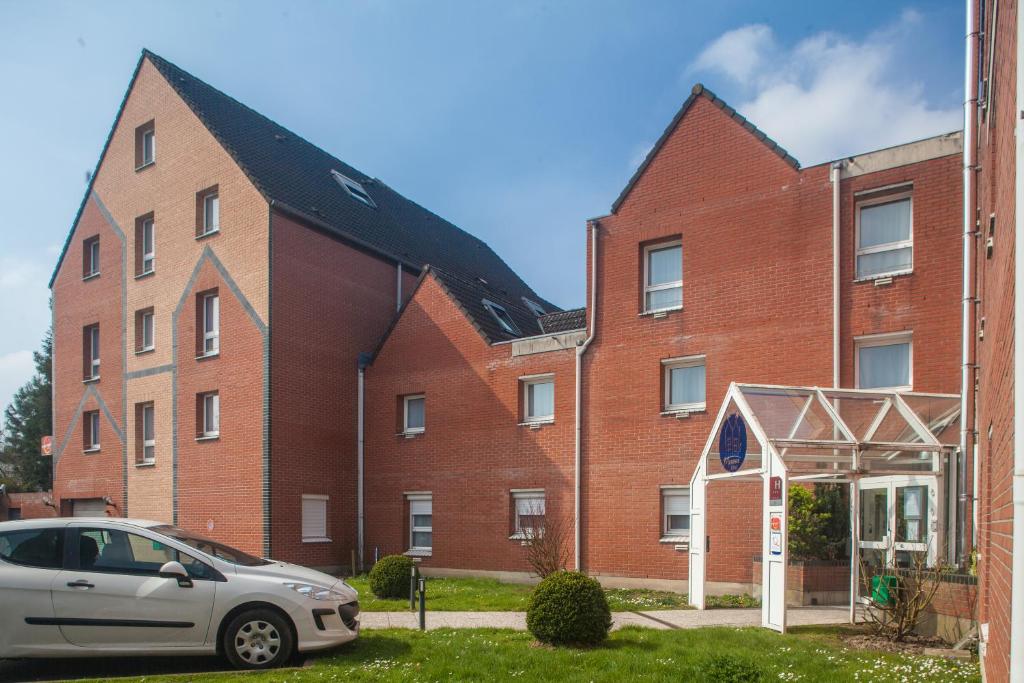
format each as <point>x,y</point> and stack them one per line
<point>175,570</point>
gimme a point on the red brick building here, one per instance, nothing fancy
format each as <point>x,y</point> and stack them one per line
<point>715,265</point>
<point>993,88</point>
<point>225,275</point>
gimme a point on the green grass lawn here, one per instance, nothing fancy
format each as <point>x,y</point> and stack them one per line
<point>807,654</point>
<point>488,595</point>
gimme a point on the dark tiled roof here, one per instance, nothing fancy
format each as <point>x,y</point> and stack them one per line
<point>470,296</point>
<point>564,321</point>
<point>697,91</point>
<point>295,176</point>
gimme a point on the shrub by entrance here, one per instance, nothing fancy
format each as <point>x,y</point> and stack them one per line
<point>569,608</point>
<point>389,578</point>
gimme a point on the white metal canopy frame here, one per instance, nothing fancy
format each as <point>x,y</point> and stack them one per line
<point>780,434</point>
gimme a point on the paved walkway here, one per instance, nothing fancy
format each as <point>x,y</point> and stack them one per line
<point>659,619</point>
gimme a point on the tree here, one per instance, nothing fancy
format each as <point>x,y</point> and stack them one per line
<point>27,420</point>
<point>819,522</point>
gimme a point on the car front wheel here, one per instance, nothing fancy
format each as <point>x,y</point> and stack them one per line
<point>258,639</point>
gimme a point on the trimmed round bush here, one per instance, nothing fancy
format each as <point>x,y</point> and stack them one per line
<point>569,608</point>
<point>389,578</point>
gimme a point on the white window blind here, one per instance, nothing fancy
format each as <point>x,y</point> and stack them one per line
<point>685,384</point>
<point>314,518</point>
<point>664,278</point>
<point>421,523</point>
<point>883,365</point>
<point>530,511</point>
<point>884,241</point>
<point>676,503</point>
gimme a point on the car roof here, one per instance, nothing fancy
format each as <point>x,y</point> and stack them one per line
<point>63,521</point>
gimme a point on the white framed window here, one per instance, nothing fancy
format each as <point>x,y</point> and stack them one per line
<point>148,434</point>
<point>529,509</point>
<point>211,324</point>
<point>210,415</point>
<point>314,518</point>
<point>885,361</point>
<point>148,246</point>
<point>502,316</point>
<point>91,425</point>
<point>211,213</point>
<point>354,188</point>
<point>675,512</point>
<point>538,398</point>
<point>92,342</point>
<point>685,384</point>
<point>534,307</point>
<point>885,236</point>
<point>414,414</point>
<point>148,146</point>
<point>421,522</point>
<point>91,257</point>
<point>663,276</point>
<point>147,330</point>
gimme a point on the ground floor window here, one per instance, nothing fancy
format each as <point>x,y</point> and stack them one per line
<point>421,522</point>
<point>314,519</point>
<point>529,511</point>
<point>675,505</point>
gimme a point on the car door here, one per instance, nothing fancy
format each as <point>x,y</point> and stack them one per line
<point>30,560</point>
<point>112,596</point>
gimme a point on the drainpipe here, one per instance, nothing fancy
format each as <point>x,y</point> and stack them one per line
<point>580,350</point>
<point>1017,580</point>
<point>398,287</point>
<point>360,416</point>
<point>834,176</point>
<point>967,299</point>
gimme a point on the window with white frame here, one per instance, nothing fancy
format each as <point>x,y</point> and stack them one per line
<point>92,352</point>
<point>885,242</point>
<point>355,189</point>
<point>538,398</point>
<point>144,330</point>
<point>414,417</point>
<point>663,277</point>
<point>211,324</point>
<point>685,384</point>
<point>148,246</point>
<point>501,315</point>
<point>145,145</point>
<point>675,506</point>
<point>91,257</point>
<point>211,213</point>
<point>209,415</point>
<point>91,429</point>
<point>314,519</point>
<point>885,361</point>
<point>529,508</point>
<point>421,522</point>
<point>146,427</point>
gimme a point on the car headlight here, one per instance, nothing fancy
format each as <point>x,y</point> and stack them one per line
<point>316,592</point>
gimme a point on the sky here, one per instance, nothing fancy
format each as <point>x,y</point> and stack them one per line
<point>516,121</point>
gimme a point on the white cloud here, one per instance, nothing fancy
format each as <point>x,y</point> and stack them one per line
<point>829,96</point>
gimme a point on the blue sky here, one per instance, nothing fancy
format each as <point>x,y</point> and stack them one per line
<point>515,120</point>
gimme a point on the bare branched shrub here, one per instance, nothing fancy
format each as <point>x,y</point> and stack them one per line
<point>910,591</point>
<point>547,548</point>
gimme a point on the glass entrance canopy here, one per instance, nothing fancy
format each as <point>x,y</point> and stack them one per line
<point>837,434</point>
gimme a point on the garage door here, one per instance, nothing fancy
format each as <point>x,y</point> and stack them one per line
<point>89,507</point>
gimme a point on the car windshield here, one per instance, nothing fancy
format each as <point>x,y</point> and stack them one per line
<point>218,550</point>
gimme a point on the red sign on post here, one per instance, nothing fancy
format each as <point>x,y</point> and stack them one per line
<point>775,491</point>
<point>46,447</point>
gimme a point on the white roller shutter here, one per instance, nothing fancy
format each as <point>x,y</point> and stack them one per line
<point>314,518</point>
<point>91,507</point>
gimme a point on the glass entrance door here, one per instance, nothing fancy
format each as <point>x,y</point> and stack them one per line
<point>898,520</point>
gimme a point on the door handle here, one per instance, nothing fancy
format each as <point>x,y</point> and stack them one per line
<point>81,583</point>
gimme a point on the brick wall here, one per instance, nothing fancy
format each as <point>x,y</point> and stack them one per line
<point>331,302</point>
<point>31,505</point>
<point>473,451</point>
<point>995,380</point>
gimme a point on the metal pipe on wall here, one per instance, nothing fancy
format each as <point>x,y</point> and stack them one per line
<point>580,350</point>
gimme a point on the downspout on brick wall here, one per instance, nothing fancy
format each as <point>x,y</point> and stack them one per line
<point>580,350</point>
<point>1017,577</point>
<point>835,175</point>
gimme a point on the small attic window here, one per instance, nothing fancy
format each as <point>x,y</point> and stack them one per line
<point>354,189</point>
<point>537,309</point>
<point>502,316</point>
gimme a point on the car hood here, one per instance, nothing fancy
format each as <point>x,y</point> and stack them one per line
<point>299,574</point>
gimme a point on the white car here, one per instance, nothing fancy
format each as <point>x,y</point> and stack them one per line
<point>95,587</point>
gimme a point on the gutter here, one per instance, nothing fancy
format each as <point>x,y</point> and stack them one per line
<point>1017,578</point>
<point>580,350</point>
<point>967,298</point>
<point>364,360</point>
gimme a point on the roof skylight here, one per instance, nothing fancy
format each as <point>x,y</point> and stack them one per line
<point>502,316</point>
<point>355,189</point>
<point>537,309</point>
